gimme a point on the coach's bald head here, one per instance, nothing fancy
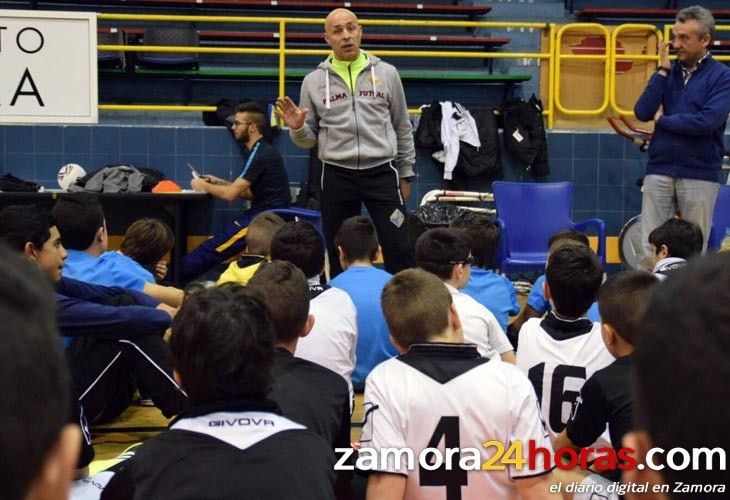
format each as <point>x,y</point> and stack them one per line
<point>343,34</point>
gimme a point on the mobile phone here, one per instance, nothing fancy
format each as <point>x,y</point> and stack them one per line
<point>195,173</point>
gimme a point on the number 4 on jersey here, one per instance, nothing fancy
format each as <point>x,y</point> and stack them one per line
<point>454,479</point>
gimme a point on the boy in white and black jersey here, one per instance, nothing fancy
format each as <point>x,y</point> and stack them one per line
<point>333,339</point>
<point>441,393</point>
<point>233,442</point>
<point>306,392</point>
<point>560,352</point>
<point>608,397</point>
<point>681,374</point>
<point>672,244</point>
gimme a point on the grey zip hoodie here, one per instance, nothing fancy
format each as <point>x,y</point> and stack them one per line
<point>360,129</point>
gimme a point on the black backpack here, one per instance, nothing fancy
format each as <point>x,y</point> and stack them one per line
<point>428,133</point>
<point>11,184</point>
<point>484,161</point>
<point>524,134</point>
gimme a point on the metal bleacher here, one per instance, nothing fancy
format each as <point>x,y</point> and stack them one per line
<point>241,47</point>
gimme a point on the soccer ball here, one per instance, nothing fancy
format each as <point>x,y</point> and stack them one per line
<point>68,174</point>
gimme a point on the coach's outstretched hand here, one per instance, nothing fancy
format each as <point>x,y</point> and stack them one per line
<point>292,115</point>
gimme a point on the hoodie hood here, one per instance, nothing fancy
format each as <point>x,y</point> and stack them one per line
<point>328,66</point>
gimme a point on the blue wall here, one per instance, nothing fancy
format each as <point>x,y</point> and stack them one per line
<point>603,167</point>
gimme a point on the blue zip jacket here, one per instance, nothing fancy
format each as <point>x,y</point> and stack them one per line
<point>82,312</point>
<point>687,141</point>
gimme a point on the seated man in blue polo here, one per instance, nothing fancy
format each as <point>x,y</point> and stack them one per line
<point>263,181</point>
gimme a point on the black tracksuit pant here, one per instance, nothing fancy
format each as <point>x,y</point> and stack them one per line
<point>343,192</point>
<point>107,372</point>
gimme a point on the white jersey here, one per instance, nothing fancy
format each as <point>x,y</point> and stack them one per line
<point>479,325</point>
<point>333,339</point>
<point>558,357</point>
<point>447,396</point>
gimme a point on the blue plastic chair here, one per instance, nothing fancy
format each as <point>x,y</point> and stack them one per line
<point>720,218</point>
<point>528,214</point>
<point>314,217</point>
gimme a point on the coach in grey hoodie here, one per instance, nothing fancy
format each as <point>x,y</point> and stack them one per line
<point>353,107</point>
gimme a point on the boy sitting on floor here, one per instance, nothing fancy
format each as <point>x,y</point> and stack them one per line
<point>258,249</point>
<point>446,253</point>
<point>357,245</point>
<point>233,442</point>
<point>489,288</point>
<point>440,390</point>
<point>560,352</point>
<point>607,396</point>
<point>673,243</point>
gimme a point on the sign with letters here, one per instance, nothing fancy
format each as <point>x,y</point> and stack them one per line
<point>48,67</point>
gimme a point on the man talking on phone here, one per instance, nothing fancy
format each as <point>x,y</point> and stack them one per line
<point>689,102</point>
<point>262,180</point>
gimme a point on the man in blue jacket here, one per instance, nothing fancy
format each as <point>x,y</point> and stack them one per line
<point>689,102</point>
<point>112,336</point>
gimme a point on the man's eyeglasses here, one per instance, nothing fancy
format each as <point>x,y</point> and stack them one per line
<point>469,261</point>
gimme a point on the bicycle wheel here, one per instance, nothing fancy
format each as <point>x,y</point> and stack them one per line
<point>630,246</point>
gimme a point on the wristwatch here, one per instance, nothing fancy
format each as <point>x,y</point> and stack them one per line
<point>664,68</point>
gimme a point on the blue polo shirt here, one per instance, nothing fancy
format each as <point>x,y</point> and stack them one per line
<point>495,292</point>
<point>109,269</point>
<point>364,285</point>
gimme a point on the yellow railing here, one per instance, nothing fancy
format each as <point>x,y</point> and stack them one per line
<point>283,52</point>
<point>631,57</point>
<point>553,55</point>
<point>560,57</point>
